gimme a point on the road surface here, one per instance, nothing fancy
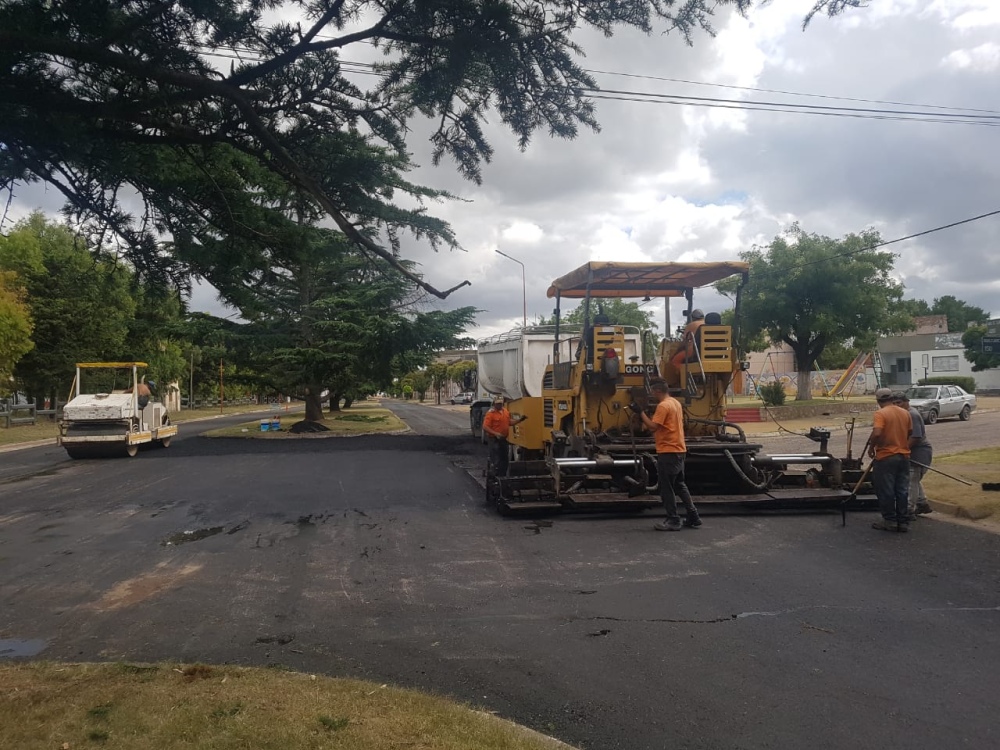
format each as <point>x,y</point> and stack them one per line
<point>375,557</point>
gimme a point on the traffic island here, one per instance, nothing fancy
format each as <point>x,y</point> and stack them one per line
<point>171,706</point>
<point>360,420</point>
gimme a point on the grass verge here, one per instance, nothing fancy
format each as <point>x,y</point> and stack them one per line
<point>979,466</point>
<point>26,433</point>
<point>168,707</point>
<point>362,419</point>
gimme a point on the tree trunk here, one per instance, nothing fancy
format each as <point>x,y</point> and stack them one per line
<point>314,407</point>
<point>348,400</point>
<point>334,402</point>
<point>803,383</point>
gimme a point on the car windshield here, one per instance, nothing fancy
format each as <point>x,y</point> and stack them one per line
<point>922,393</point>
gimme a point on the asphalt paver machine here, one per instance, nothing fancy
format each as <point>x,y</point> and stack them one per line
<point>582,447</point>
<point>111,412</point>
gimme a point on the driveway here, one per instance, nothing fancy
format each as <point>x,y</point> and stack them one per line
<point>375,557</point>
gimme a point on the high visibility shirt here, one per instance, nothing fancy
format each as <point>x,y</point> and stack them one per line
<point>497,421</point>
<point>669,421</point>
<point>895,425</point>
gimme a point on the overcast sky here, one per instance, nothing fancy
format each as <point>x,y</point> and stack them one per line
<point>668,183</point>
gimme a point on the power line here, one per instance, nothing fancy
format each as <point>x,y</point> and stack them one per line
<point>790,93</point>
<point>900,239</point>
<point>751,107</point>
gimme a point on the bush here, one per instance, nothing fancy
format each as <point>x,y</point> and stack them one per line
<point>772,394</point>
<point>966,383</point>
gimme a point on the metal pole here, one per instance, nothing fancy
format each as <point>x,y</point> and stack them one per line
<point>524,289</point>
<point>222,395</point>
<point>191,383</point>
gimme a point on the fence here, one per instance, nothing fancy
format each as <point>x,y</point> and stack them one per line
<point>14,414</point>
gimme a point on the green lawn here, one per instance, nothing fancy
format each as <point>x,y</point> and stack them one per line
<point>46,706</point>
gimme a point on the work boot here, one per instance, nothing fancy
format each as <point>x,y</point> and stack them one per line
<point>923,509</point>
<point>671,524</point>
<point>884,526</point>
<point>902,528</point>
<point>692,521</point>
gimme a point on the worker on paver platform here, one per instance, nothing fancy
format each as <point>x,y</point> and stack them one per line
<point>667,426</point>
<point>688,352</point>
<point>496,424</point>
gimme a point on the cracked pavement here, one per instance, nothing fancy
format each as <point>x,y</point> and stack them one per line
<point>375,557</point>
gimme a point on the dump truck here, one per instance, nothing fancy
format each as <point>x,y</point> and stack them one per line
<point>110,413</point>
<point>582,448</point>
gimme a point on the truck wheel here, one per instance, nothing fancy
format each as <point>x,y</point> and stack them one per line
<point>131,450</point>
<point>965,413</point>
<point>932,416</point>
<point>164,443</point>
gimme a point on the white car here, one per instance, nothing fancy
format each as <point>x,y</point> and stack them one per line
<point>466,397</point>
<point>938,401</point>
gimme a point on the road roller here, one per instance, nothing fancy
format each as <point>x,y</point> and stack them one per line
<point>112,412</point>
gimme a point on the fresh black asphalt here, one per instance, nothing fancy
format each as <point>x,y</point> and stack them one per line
<point>375,557</point>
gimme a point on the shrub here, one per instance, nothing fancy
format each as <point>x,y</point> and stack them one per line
<point>966,383</point>
<point>772,394</point>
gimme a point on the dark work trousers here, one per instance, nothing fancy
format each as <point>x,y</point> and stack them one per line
<point>670,468</point>
<point>499,455</point>
<point>891,477</point>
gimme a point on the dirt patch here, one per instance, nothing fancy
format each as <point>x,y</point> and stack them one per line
<point>132,591</point>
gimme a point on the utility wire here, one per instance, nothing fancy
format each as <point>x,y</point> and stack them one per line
<point>790,93</point>
<point>899,239</point>
<point>947,115</point>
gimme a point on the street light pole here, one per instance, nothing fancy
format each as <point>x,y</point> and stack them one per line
<point>524,289</point>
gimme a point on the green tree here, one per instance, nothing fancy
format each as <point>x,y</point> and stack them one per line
<point>915,307</point>
<point>972,340</point>
<point>438,372</point>
<point>960,314</point>
<point>15,328</point>
<point>619,312</point>
<point>420,381</point>
<point>81,309</point>
<point>808,291</point>
<point>461,373</point>
<point>109,99</point>
<point>321,317</point>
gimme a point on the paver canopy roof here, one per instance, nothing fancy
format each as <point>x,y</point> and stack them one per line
<point>613,279</point>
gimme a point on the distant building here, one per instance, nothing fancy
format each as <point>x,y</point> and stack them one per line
<point>915,355</point>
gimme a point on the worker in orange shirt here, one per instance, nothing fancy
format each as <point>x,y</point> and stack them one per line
<point>688,352</point>
<point>889,448</point>
<point>667,426</point>
<point>496,425</point>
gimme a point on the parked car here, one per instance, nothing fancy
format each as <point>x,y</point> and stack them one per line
<point>466,397</point>
<point>935,401</point>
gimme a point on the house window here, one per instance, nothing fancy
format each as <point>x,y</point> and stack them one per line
<point>944,364</point>
<point>902,364</point>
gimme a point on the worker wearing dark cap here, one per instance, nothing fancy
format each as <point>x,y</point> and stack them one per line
<point>921,455</point>
<point>889,448</point>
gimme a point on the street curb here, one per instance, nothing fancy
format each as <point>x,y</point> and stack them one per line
<point>32,444</point>
<point>959,511</point>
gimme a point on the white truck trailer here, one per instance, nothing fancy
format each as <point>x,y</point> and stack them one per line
<point>513,364</point>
